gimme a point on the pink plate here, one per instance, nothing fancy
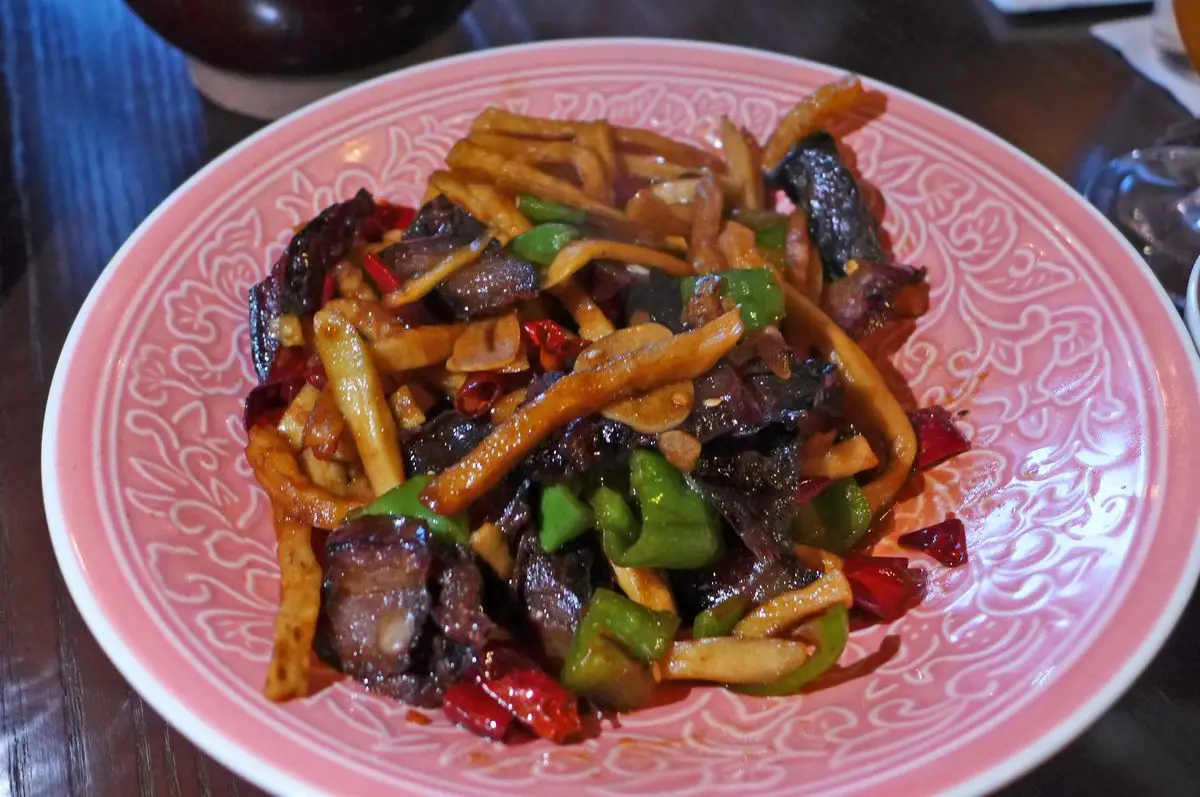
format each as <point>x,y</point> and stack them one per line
<point>1078,498</point>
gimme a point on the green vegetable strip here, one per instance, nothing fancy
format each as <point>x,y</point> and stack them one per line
<point>836,519</point>
<point>677,531</point>
<point>830,630</point>
<point>564,517</point>
<point>720,619</point>
<point>643,632</point>
<point>542,244</point>
<point>403,500</point>
<point>755,290</point>
<point>541,211</point>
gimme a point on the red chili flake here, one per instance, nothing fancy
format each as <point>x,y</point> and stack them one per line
<point>938,438</point>
<point>467,704</point>
<point>315,372</point>
<point>810,488</point>
<point>386,217</point>
<point>539,702</point>
<point>417,718</point>
<point>327,288</point>
<point>884,587</point>
<point>553,346</point>
<point>478,394</point>
<point>945,541</point>
<point>386,281</point>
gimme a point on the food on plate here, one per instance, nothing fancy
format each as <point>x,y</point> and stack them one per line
<point>593,418</point>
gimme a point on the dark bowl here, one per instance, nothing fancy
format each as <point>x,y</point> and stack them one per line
<point>297,37</point>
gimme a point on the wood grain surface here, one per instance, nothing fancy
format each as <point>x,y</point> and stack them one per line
<point>98,123</point>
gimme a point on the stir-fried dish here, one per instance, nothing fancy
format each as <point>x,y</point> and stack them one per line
<point>592,418</point>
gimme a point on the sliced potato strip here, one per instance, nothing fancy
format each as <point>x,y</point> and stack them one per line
<point>350,282</point>
<point>649,209</point>
<point>498,120</point>
<point>410,349</point>
<point>589,318</point>
<point>621,342</point>
<point>729,660</point>
<point>744,172</point>
<point>791,608</point>
<point>419,287</point>
<point>668,148</point>
<point>646,586</point>
<point>703,251</point>
<point>839,461</point>
<point>370,318</point>
<point>651,167</point>
<point>488,542</point>
<point>506,407</point>
<point>328,475</point>
<point>502,210</point>
<point>599,138</point>
<point>574,256</point>
<point>487,345</point>
<point>739,247</point>
<point>292,492</point>
<point>408,413</point>
<point>299,607</point>
<point>360,398</point>
<point>810,113</point>
<point>684,356</point>
<point>511,175</point>
<point>870,405</point>
<point>589,168</point>
<point>295,417</point>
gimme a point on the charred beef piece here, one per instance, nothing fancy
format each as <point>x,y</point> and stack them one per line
<point>862,302</point>
<point>704,305</point>
<point>376,596</point>
<point>739,573</point>
<point>440,217</point>
<point>810,384</point>
<point>753,483</point>
<point>459,610</point>
<point>582,445</point>
<point>402,613</point>
<point>297,278</point>
<point>443,441</point>
<point>657,295</point>
<point>493,284</point>
<point>552,588</point>
<point>723,405</point>
<point>816,179</point>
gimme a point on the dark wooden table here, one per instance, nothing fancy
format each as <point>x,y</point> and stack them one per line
<point>98,123</point>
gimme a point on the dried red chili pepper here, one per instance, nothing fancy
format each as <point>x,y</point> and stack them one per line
<point>884,587</point>
<point>478,394</point>
<point>938,438</point>
<point>945,542</point>
<point>386,281</point>
<point>467,704</point>
<point>327,288</point>
<point>552,346</point>
<point>537,700</point>
<point>386,217</point>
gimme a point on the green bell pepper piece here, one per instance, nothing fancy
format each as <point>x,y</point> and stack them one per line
<point>678,530</point>
<point>830,631</point>
<point>616,521</point>
<point>612,647</point>
<point>564,517</point>
<point>604,673</point>
<point>405,499</point>
<point>755,290</point>
<point>541,211</point>
<point>643,632</point>
<point>836,519</point>
<point>542,244</point>
<point>720,619</point>
<point>772,237</point>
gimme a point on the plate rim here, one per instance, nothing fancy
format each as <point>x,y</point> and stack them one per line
<point>272,778</point>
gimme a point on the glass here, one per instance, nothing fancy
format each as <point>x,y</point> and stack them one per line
<point>1152,194</point>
